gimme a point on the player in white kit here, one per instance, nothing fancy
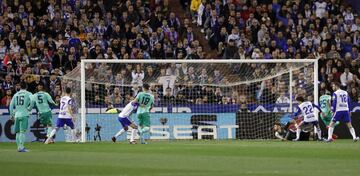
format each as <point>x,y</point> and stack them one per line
<point>341,111</point>
<point>126,122</point>
<point>66,115</point>
<point>306,109</point>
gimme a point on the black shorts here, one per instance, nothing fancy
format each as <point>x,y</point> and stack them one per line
<point>304,136</point>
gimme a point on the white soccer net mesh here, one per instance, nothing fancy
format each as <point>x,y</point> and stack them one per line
<point>194,100</point>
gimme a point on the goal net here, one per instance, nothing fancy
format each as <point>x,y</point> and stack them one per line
<point>194,99</point>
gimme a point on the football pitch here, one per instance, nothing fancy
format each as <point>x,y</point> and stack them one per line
<point>204,158</point>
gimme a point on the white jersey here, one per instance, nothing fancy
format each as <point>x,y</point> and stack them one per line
<point>167,81</point>
<point>320,9</point>
<point>340,101</point>
<point>66,104</point>
<point>127,111</point>
<point>307,110</point>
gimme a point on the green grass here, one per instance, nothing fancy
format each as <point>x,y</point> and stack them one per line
<point>186,158</point>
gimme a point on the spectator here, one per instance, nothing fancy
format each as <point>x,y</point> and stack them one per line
<point>8,83</point>
<point>98,100</point>
<point>181,99</point>
<point>282,99</point>
<point>336,74</point>
<point>224,101</point>
<point>203,77</point>
<point>5,101</point>
<point>208,94</point>
<point>194,6</point>
<point>137,75</point>
<point>230,50</point>
<point>116,97</point>
<point>70,64</point>
<point>354,94</point>
<point>168,98</point>
<point>346,78</point>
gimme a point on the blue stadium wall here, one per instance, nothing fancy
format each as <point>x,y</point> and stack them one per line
<point>183,122</point>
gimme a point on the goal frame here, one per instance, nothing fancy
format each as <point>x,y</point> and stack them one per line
<point>209,61</point>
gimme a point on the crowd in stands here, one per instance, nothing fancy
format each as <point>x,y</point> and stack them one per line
<point>40,41</point>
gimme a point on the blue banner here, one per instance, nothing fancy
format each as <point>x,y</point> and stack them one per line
<point>169,126</point>
<point>35,132</point>
<point>163,126</point>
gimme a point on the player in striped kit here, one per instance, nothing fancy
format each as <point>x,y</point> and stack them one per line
<point>124,119</point>
<point>306,109</point>
<point>66,115</point>
<point>340,108</point>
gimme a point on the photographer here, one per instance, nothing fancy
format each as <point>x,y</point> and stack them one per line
<point>97,132</point>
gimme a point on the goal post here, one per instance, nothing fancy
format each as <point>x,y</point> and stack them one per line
<point>239,75</point>
<point>83,105</point>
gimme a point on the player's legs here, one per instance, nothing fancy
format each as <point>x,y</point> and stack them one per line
<point>71,124</point>
<point>46,120</point>
<point>21,125</point>
<point>347,120</point>
<point>144,123</point>
<point>142,131</point>
<point>17,131</point>
<point>352,131</point>
<point>125,122</point>
<point>59,124</point>
<point>327,119</point>
<point>331,130</point>
<point>317,129</point>
<point>338,116</point>
<point>298,131</point>
<point>133,132</point>
<point>121,131</point>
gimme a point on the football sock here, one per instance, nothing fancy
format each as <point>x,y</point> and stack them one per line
<point>330,132</point>
<point>144,130</point>
<point>18,140</point>
<point>49,129</point>
<point>51,135</point>
<point>318,131</point>
<point>352,131</point>
<point>132,136</point>
<point>119,133</point>
<point>73,135</point>
<point>298,131</point>
<point>21,140</point>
